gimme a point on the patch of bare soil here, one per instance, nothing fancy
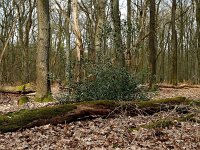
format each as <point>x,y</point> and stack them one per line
<point>112,133</point>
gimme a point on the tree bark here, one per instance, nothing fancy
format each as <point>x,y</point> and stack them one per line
<point>99,29</point>
<point>119,49</point>
<point>43,82</point>
<point>79,45</point>
<point>128,55</point>
<point>68,37</point>
<point>198,35</point>
<point>174,44</point>
<point>152,47</point>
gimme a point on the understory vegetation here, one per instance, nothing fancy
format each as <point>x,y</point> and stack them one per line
<point>108,83</point>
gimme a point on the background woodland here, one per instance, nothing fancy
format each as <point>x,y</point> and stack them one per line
<point>157,41</point>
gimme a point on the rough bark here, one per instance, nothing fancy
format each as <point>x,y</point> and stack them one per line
<point>79,45</point>
<point>128,55</point>
<point>152,44</point>
<point>119,49</point>
<point>174,44</point>
<point>198,35</point>
<point>69,60</point>
<point>99,29</point>
<point>42,66</point>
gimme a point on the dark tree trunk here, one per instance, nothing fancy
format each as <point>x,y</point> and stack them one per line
<point>152,47</point>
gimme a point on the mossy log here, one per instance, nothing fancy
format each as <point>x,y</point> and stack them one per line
<point>22,89</point>
<point>76,111</point>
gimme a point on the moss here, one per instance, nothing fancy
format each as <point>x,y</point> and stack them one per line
<point>17,120</point>
<point>168,121</point>
<point>23,87</point>
<point>195,102</point>
<point>20,88</point>
<point>188,117</point>
<point>101,103</point>
<point>22,100</point>
<point>159,124</point>
<point>154,103</point>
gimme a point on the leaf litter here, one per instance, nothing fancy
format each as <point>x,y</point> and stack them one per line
<point>116,133</point>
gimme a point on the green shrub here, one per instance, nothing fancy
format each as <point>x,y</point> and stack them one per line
<point>110,83</point>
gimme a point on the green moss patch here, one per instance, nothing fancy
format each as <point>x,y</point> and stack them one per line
<point>22,100</point>
<point>17,120</point>
<point>154,103</point>
<point>165,123</point>
<point>101,103</point>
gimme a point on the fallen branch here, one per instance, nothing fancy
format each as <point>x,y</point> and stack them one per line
<point>178,86</point>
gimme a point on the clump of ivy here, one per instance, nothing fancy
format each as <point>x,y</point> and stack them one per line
<point>108,83</point>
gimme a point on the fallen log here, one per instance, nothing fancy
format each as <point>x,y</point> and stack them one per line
<point>75,111</point>
<point>178,86</point>
<point>16,91</point>
<point>22,89</point>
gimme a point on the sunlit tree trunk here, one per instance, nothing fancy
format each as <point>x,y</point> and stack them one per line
<point>79,45</point>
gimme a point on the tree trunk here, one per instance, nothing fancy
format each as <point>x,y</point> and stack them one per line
<point>69,60</point>
<point>198,35</point>
<point>79,45</point>
<point>174,44</point>
<point>119,51</point>
<point>99,29</point>
<point>43,82</point>
<point>128,55</point>
<point>152,47</point>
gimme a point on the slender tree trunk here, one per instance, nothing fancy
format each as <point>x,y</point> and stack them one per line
<point>79,45</point>
<point>99,29</point>
<point>43,82</point>
<point>181,68</point>
<point>198,35</point>
<point>174,44</point>
<point>128,55</point>
<point>152,47</point>
<point>119,51</point>
<point>69,61</point>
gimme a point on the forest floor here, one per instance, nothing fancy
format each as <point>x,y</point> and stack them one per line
<point>121,132</point>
